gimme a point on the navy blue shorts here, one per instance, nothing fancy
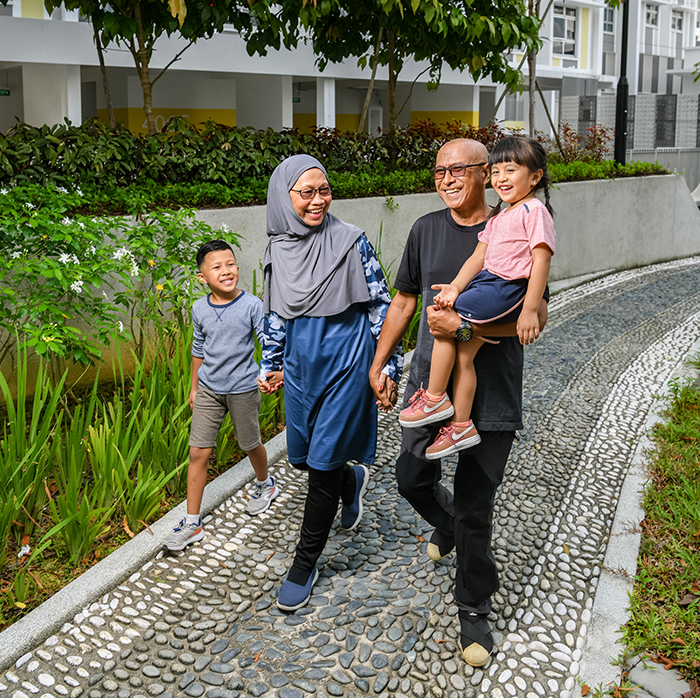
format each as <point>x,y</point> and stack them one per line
<point>489,298</point>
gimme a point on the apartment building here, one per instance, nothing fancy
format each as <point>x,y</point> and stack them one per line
<point>49,72</point>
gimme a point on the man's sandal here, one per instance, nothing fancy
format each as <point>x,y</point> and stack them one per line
<point>476,641</point>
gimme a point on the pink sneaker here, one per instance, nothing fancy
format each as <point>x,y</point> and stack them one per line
<point>423,411</point>
<point>453,438</point>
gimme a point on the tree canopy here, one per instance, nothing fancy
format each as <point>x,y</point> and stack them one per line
<point>472,35</point>
<point>138,24</point>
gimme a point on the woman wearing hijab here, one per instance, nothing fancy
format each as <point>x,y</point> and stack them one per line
<point>325,301</point>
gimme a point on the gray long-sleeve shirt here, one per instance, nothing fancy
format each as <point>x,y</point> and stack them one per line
<point>223,338</point>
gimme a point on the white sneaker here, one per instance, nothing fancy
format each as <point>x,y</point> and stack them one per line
<point>262,497</point>
<point>183,534</point>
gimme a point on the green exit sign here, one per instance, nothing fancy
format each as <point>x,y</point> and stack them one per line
<point>4,93</point>
<point>296,100</point>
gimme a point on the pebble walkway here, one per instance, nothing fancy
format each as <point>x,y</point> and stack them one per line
<point>382,619</point>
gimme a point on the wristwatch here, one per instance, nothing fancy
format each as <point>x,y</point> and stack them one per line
<point>464,332</point>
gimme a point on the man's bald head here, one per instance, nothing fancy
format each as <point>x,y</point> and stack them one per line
<point>472,151</point>
<point>464,195</point>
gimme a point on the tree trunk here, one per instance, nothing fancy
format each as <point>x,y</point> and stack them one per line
<point>392,81</point>
<point>375,61</point>
<point>534,7</point>
<point>105,83</point>
<point>141,57</point>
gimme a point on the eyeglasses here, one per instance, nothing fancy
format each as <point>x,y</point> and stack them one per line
<point>309,193</point>
<point>459,169</point>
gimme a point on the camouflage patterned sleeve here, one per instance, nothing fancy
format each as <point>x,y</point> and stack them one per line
<point>379,300</point>
<point>274,335</point>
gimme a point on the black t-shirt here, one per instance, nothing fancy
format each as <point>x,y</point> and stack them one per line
<point>436,249</point>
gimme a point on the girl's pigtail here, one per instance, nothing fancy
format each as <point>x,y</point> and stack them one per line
<point>547,205</point>
<point>495,210</point>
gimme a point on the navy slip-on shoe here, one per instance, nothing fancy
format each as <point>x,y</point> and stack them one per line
<point>352,513</point>
<point>293,596</point>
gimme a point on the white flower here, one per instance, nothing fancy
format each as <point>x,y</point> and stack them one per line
<point>16,254</point>
<point>120,252</point>
<point>66,258</point>
<point>81,224</point>
<point>77,286</point>
<point>24,550</point>
<point>62,190</point>
<point>29,205</point>
<point>3,191</point>
<point>225,228</point>
<point>134,270</point>
<point>120,325</point>
<point>92,249</point>
<point>104,294</point>
<point>66,221</point>
<point>78,191</point>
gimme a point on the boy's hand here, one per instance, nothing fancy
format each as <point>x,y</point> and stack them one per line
<point>528,327</point>
<point>274,380</point>
<point>447,296</point>
<point>193,395</point>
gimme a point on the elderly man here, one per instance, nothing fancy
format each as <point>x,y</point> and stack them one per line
<point>436,248</point>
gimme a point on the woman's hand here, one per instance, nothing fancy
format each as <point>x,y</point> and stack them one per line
<point>447,296</point>
<point>385,390</point>
<point>274,380</point>
<point>528,326</point>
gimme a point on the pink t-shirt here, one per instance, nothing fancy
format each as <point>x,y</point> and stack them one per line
<point>511,236</point>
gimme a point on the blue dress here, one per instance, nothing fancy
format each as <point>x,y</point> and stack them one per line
<point>329,403</point>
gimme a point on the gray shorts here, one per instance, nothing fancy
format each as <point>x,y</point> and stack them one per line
<point>209,411</point>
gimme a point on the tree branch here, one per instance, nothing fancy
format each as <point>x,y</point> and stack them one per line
<point>176,58</point>
<point>410,92</point>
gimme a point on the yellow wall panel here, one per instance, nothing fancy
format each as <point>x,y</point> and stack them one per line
<point>585,25</point>
<point>556,62</point>
<point>514,124</point>
<point>304,121</point>
<point>34,9</point>
<point>135,119</point>
<point>442,117</point>
<point>347,122</point>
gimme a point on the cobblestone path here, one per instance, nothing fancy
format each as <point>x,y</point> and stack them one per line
<point>382,620</point>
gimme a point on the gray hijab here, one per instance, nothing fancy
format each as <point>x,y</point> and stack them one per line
<point>312,271</point>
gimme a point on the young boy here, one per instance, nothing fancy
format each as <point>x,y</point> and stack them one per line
<point>223,380</point>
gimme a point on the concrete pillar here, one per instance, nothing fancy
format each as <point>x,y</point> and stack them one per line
<point>501,113</point>
<point>264,101</point>
<point>51,93</point>
<point>325,102</point>
<point>17,8</point>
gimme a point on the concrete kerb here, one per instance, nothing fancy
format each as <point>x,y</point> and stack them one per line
<point>30,631</point>
<point>600,665</point>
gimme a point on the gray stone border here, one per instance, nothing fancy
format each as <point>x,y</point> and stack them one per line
<point>611,605</point>
<point>30,631</point>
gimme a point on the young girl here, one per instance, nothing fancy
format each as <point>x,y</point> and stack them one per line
<point>504,280</point>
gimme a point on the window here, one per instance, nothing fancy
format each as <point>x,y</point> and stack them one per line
<point>564,39</point>
<point>677,20</point>
<point>652,15</point>
<point>609,20</point>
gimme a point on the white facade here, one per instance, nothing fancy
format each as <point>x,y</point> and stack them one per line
<point>49,72</point>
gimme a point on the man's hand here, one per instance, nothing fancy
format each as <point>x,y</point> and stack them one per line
<point>385,390</point>
<point>443,322</point>
<point>193,395</point>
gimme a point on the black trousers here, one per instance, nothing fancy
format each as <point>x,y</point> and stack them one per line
<point>326,488</point>
<point>464,519</point>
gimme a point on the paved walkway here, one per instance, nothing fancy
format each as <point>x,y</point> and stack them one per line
<point>382,620</point>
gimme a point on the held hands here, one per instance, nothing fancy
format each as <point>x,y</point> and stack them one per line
<point>528,327</point>
<point>447,296</point>
<point>385,390</point>
<point>274,381</point>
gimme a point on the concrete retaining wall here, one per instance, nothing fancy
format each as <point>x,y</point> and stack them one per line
<point>602,226</point>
